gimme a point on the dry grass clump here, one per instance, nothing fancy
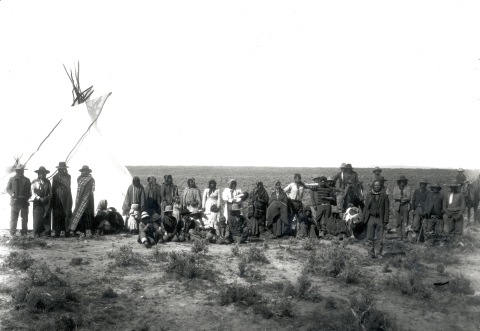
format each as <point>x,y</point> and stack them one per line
<point>364,315</point>
<point>187,265</point>
<point>19,260</point>
<point>25,242</point>
<point>199,246</point>
<point>410,283</point>
<point>253,254</point>
<point>158,255</point>
<point>460,284</point>
<point>125,257</point>
<point>109,293</point>
<point>309,244</point>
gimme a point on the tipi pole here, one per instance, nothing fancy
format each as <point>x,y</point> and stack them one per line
<point>41,143</point>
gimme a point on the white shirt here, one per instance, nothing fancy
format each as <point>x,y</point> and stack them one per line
<point>294,192</point>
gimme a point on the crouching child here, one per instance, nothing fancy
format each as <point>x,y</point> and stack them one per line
<point>173,228</point>
<point>237,225</point>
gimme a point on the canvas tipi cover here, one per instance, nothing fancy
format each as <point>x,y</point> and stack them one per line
<point>111,177</point>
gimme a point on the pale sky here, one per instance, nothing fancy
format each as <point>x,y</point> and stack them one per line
<point>260,83</point>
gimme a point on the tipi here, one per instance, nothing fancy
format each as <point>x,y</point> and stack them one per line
<point>77,140</point>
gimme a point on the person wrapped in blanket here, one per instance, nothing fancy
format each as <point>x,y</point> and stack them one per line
<point>222,233</point>
<point>151,230</point>
<point>133,219</point>
<point>107,220</point>
<point>173,228</point>
<point>257,210</point>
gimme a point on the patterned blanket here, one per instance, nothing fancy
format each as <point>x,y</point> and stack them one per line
<point>84,192</point>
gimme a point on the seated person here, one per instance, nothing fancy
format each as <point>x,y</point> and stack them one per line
<point>201,231</point>
<point>172,227</point>
<point>305,220</point>
<point>150,230</point>
<point>238,225</point>
<point>187,225</point>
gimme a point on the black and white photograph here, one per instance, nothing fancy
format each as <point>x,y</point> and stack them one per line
<point>239,165</point>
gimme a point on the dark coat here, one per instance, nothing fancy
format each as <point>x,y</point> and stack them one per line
<point>419,198</point>
<point>434,204</point>
<point>19,188</point>
<point>236,224</point>
<point>340,184</point>
<point>384,207</point>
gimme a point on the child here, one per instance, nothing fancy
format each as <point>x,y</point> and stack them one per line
<point>134,218</point>
<point>223,232</point>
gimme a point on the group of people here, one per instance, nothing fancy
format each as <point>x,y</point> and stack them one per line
<point>161,213</point>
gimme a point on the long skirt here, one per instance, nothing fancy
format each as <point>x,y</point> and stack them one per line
<point>280,227</point>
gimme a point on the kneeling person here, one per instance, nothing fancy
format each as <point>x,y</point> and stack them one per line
<point>201,231</point>
<point>238,225</point>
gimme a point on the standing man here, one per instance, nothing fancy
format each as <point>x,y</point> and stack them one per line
<point>454,207</point>
<point>153,196</point>
<point>41,198</point>
<point>340,175</point>
<point>375,214</point>
<point>18,188</point>
<point>461,178</point>
<point>84,204</point>
<point>376,173</point>
<point>418,205</point>
<point>402,194</point>
<point>169,192</point>
<point>346,177</point>
<point>434,213</point>
<point>62,200</point>
<point>323,206</point>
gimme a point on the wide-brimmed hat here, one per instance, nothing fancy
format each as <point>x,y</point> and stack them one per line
<point>155,217</point>
<point>402,178</point>
<point>423,180</point>
<point>62,165</point>
<point>377,169</point>
<point>460,170</point>
<point>436,185</point>
<point>168,209</point>
<point>185,212</point>
<point>135,206</point>
<point>20,167</point>
<point>194,211</point>
<point>330,179</point>
<point>316,176</point>
<point>343,165</point>
<point>236,207</point>
<point>453,184</point>
<point>85,168</point>
<point>42,170</point>
<point>144,215</point>
<point>348,166</point>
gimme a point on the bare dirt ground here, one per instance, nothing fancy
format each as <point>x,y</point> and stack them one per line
<point>286,284</point>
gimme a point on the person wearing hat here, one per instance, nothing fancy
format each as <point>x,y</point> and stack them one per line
<point>346,178</point>
<point>278,211</point>
<point>223,236</point>
<point>62,200</point>
<point>19,189</point>
<point>376,215</point>
<point>419,198</point>
<point>461,178</point>
<point>135,195</point>
<point>454,207</point>
<point>151,229</point>
<point>191,197</point>
<point>211,202</point>
<point>83,214</point>
<point>169,192</point>
<point>434,213</point>
<point>41,198</point>
<point>171,225</point>
<point>187,224</point>
<point>340,174</point>
<point>237,225</point>
<point>153,196</point>
<point>402,194</point>
<point>201,231</point>
<point>231,195</point>
<point>376,173</point>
